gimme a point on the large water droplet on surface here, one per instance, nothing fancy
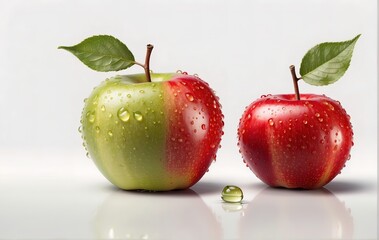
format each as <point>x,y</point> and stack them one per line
<point>138,116</point>
<point>123,114</point>
<point>232,194</point>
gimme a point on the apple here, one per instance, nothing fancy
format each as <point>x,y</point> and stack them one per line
<point>295,143</point>
<point>300,140</point>
<point>152,131</point>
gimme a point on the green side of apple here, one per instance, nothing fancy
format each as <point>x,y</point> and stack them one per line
<point>124,131</point>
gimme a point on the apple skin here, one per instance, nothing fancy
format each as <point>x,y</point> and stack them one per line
<point>159,135</point>
<point>295,143</point>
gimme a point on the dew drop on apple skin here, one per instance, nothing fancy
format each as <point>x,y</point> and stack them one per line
<point>123,114</point>
<point>271,122</point>
<point>138,116</point>
<point>232,194</point>
<point>189,97</point>
<point>110,133</point>
<point>91,116</point>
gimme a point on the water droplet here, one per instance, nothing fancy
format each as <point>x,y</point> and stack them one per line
<point>305,122</point>
<point>203,127</point>
<point>213,146</point>
<point>91,116</point>
<point>214,104</point>
<point>317,115</point>
<point>129,95</point>
<point>232,194</point>
<point>110,133</point>
<point>189,97</point>
<point>141,91</point>
<point>138,116</point>
<point>123,114</point>
<point>103,108</point>
<point>97,129</point>
<point>94,102</point>
<point>271,122</point>
<point>320,119</point>
<point>80,129</point>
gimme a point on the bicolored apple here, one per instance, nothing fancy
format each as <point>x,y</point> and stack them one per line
<point>158,135</point>
<point>147,131</point>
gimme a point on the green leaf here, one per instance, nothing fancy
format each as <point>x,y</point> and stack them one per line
<point>102,53</point>
<point>327,62</point>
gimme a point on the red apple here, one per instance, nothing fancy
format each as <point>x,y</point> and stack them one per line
<point>295,143</point>
<point>301,140</point>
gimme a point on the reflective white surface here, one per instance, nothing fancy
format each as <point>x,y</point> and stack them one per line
<point>55,196</point>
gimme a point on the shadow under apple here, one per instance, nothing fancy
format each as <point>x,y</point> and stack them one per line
<point>277,213</point>
<point>146,215</point>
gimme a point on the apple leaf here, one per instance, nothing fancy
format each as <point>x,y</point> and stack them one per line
<point>327,62</point>
<point>102,53</point>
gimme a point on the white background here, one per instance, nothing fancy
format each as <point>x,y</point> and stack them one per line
<point>241,48</point>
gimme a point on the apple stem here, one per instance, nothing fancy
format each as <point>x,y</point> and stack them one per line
<point>295,80</point>
<point>146,66</point>
<point>147,61</point>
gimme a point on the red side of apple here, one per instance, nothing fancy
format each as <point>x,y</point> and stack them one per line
<point>295,143</point>
<point>195,127</point>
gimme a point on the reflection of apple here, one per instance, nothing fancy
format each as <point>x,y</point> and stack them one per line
<point>281,214</point>
<point>174,215</point>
